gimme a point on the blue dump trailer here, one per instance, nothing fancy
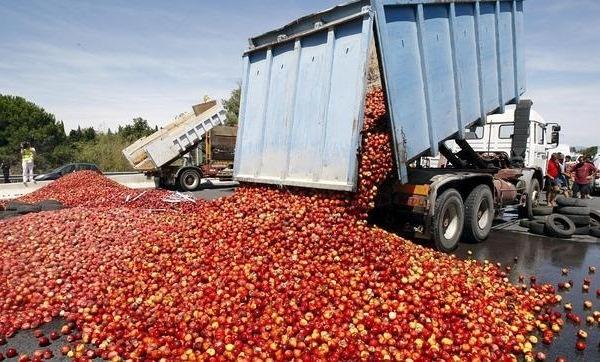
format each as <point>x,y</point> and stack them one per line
<point>444,66</point>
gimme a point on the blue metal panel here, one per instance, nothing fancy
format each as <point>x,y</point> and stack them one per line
<point>506,51</point>
<point>281,84</point>
<point>254,105</point>
<point>465,50</point>
<point>302,103</point>
<point>447,64</point>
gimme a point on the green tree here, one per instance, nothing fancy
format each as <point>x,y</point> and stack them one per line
<point>21,120</point>
<point>105,151</point>
<point>232,106</point>
<point>590,152</point>
<point>79,134</point>
<point>138,129</point>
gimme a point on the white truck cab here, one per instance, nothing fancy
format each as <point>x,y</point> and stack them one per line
<point>495,139</point>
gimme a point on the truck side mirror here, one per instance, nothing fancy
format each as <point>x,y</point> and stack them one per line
<point>555,138</point>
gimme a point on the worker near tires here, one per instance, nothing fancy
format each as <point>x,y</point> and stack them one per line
<point>561,180</point>
<point>5,166</point>
<point>27,156</point>
<point>583,175</point>
<point>552,175</point>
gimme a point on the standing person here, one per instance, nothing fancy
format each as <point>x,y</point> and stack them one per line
<point>583,174</point>
<point>562,177</point>
<point>552,174</point>
<point>27,154</point>
<point>5,166</point>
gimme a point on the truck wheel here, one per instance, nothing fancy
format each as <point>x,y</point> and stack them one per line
<point>448,220</point>
<point>533,197</point>
<point>479,214</point>
<point>190,179</point>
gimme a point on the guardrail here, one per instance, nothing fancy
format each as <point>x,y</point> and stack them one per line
<point>19,178</point>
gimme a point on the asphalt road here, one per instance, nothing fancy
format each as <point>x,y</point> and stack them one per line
<point>541,256</point>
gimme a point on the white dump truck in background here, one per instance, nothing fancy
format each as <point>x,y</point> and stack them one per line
<point>165,154</point>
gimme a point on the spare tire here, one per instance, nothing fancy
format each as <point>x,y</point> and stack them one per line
<point>560,226</point>
<point>541,218</point>
<point>542,210</point>
<point>579,220</point>
<point>582,230</point>
<point>571,201</point>
<point>524,223</point>
<point>595,232</point>
<point>595,215</point>
<point>537,227</point>
<point>574,210</point>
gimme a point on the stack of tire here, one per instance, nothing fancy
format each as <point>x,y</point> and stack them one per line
<point>571,217</point>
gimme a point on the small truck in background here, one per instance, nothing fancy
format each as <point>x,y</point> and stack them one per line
<point>445,67</point>
<point>217,153</point>
<point>166,154</point>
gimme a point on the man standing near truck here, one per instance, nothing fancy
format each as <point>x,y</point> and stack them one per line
<point>27,154</point>
<point>583,174</point>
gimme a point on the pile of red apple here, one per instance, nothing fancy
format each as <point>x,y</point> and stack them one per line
<point>264,273</point>
<point>90,189</point>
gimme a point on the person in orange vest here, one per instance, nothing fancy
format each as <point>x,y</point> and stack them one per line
<point>27,155</point>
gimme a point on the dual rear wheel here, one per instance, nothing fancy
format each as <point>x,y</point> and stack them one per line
<point>470,219</point>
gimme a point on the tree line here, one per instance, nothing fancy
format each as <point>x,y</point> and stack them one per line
<point>22,120</point>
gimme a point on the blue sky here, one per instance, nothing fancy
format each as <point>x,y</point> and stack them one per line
<point>102,63</point>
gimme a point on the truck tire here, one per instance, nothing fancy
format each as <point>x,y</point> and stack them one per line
<point>533,198</point>
<point>582,230</point>
<point>190,179</point>
<point>595,215</point>
<point>448,220</point>
<point>542,210</point>
<point>560,226</point>
<point>570,201</point>
<point>579,220</point>
<point>524,223</point>
<point>595,232</point>
<point>574,210</point>
<point>540,218</point>
<point>479,214</point>
<point>537,227</point>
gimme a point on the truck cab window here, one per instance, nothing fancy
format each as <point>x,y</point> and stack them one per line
<point>474,133</point>
<point>539,134</point>
<point>506,131</point>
